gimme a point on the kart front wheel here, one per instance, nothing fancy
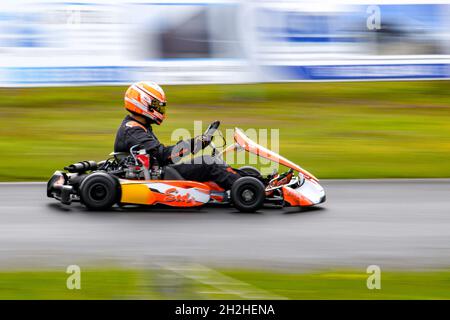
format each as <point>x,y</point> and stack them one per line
<point>248,194</point>
<point>99,191</point>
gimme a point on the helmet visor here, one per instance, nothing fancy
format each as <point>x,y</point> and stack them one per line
<point>159,106</point>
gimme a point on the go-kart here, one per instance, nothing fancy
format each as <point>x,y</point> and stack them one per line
<point>131,179</point>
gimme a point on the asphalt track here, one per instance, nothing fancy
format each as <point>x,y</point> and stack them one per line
<point>391,223</point>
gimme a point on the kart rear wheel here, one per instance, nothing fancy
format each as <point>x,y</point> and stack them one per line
<point>99,191</point>
<point>248,194</point>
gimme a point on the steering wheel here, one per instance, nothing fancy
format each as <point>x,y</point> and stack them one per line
<point>211,129</point>
<point>208,135</point>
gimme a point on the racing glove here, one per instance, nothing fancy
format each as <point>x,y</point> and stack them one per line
<point>183,147</point>
<point>199,143</point>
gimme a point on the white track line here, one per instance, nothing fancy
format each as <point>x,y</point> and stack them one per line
<point>224,284</point>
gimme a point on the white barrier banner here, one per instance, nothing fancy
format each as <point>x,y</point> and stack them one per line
<point>110,42</point>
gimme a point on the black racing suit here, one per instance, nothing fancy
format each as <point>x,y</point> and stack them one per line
<point>131,132</point>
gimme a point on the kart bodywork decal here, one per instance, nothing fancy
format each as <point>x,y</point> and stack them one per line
<point>172,193</point>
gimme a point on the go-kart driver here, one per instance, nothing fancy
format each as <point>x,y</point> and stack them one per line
<point>146,102</point>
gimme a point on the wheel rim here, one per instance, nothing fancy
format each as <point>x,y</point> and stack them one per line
<point>248,195</point>
<point>98,192</point>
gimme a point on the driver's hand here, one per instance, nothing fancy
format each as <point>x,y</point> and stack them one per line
<point>206,141</point>
<point>200,143</point>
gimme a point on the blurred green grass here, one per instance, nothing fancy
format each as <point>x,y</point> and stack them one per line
<point>349,284</point>
<point>96,284</point>
<point>334,130</point>
<point>119,283</point>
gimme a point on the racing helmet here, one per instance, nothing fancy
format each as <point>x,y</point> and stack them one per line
<point>146,99</point>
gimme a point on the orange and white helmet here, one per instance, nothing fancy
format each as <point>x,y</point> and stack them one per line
<point>146,99</point>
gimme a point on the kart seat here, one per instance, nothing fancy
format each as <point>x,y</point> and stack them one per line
<point>171,173</point>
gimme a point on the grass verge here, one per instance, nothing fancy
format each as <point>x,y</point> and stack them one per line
<point>335,130</point>
<point>159,284</point>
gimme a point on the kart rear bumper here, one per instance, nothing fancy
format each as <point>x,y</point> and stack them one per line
<point>58,188</point>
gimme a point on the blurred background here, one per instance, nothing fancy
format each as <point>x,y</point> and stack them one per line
<point>64,67</point>
<point>357,89</point>
<point>172,42</point>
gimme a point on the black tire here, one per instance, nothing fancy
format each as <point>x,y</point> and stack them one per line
<point>248,194</point>
<point>251,171</point>
<point>99,191</point>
